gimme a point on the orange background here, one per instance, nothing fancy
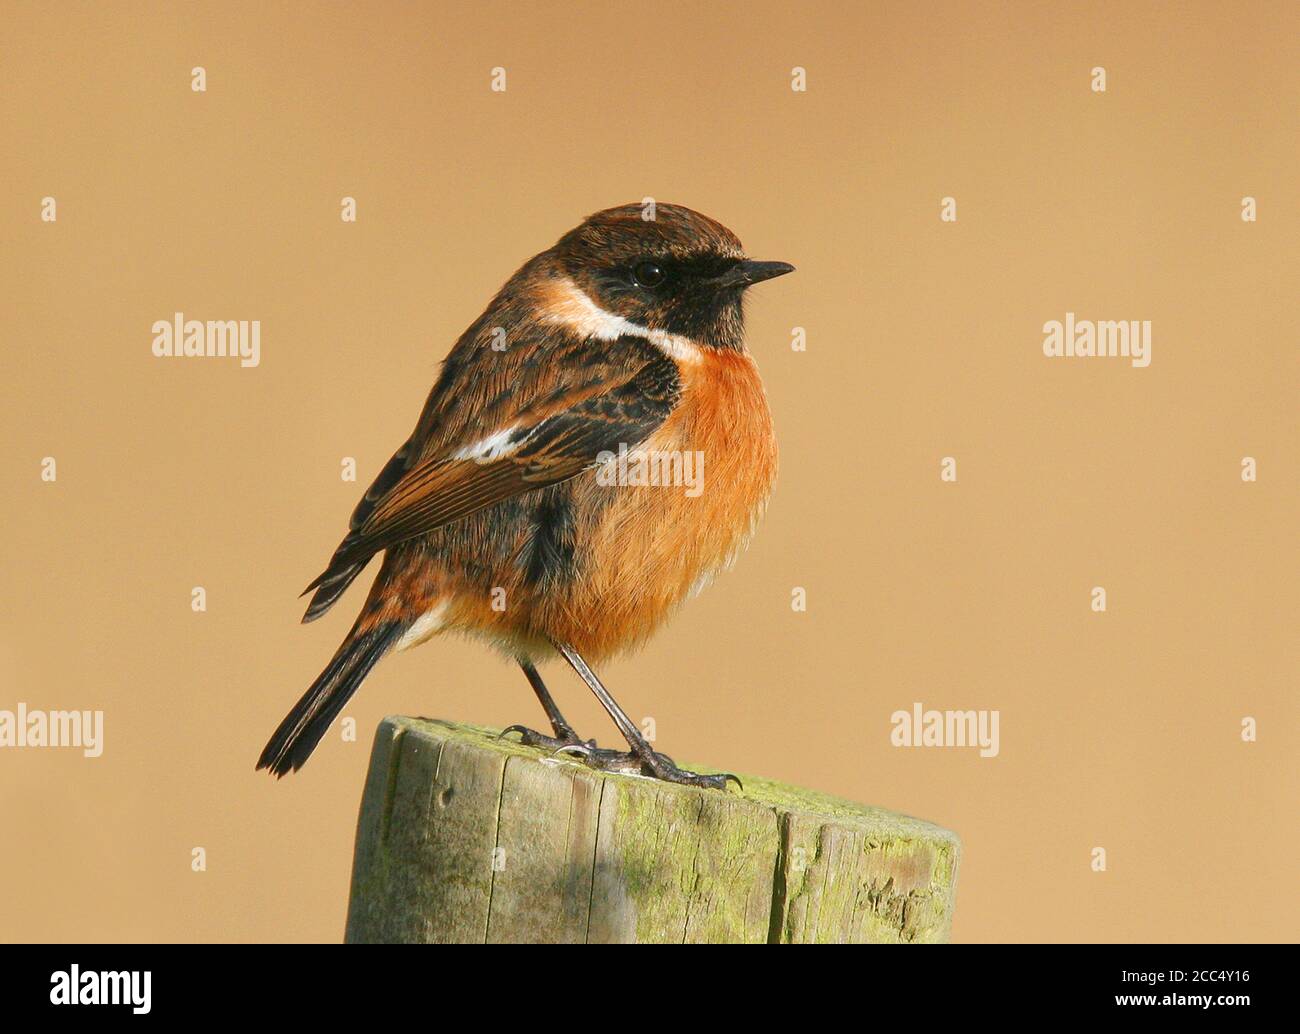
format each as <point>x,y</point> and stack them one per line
<point>1118,730</point>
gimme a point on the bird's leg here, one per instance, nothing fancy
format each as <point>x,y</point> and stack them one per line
<point>564,734</point>
<point>642,756</point>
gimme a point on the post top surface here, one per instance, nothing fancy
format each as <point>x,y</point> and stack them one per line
<point>759,792</point>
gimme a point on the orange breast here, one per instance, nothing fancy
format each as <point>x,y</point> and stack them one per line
<point>654,544</point>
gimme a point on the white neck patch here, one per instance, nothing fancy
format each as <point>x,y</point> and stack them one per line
<point>571,307</point>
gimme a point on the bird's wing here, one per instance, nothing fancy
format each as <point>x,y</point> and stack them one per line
<point>398,464</point>
<point>551,429</point>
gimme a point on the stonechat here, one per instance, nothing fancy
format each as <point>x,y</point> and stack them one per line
<point>533,507</point>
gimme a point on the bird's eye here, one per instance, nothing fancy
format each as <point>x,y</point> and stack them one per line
<point>648,274</point>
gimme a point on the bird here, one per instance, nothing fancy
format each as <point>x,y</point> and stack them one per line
<point>514,512</point>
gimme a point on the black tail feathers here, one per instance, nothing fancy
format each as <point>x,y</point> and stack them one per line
<point>331,584</point>
<point>303,727</point>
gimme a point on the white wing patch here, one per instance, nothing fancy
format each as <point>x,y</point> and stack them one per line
<point>491,448</point>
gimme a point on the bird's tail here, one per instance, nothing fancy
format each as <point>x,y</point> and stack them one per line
<point>333,582</point>
<point>303,727</point>
<point>330,585</point>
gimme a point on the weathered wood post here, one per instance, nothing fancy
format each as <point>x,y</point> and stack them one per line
<point>466,838</point>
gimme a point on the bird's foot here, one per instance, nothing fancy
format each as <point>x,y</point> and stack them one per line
<point>565,738</point>
<point>652,763</point>
<point>656,765</point>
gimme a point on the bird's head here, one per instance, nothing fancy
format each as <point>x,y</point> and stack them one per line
<point>679,272</point>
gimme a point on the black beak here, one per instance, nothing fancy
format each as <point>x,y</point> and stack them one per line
<point>748,272</point>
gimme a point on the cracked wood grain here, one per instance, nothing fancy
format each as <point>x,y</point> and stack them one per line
<point>466,838</point>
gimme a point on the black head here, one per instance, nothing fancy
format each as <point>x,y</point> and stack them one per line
<point>679,271</point>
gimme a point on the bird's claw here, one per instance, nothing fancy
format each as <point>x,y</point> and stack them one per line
<point>656,765</point>
<point>565,739</point>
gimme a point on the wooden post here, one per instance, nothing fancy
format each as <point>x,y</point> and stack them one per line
<point>467,838</point>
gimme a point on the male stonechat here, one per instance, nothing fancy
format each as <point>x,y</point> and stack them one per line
<point>623,343</point>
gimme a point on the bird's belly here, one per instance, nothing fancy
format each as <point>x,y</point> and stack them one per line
<point>638,537</point>
<point>679,509</point>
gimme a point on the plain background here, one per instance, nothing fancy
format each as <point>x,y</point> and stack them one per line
<point>1119,730</point>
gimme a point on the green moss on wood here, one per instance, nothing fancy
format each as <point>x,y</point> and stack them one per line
<point>467,837</point>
